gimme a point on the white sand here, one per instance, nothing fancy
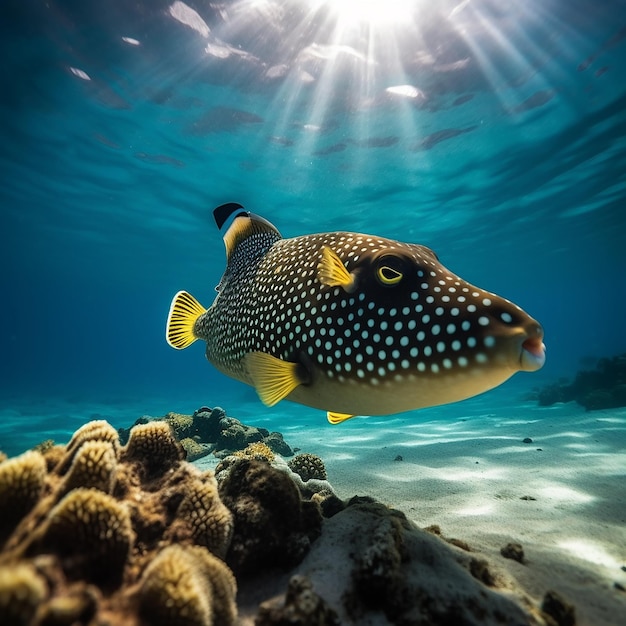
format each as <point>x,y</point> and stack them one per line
<point>464,468</point>
<point>468,475</point>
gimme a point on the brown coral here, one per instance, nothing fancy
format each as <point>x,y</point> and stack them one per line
<point>94,466</point>
<point>97,430</point>
<point>256,450</point>
<point>94,528</point>
<point>273,525</point>
<point>154,446</point>
<point>202,518</point>
<point>181,424</point>
<point>308,466</point>
<point>21,485</point>
<point>92,533</point>
<point>194,449</point>
<point>21,592</point>
<point>187,586</point>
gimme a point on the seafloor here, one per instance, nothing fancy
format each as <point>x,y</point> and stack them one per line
<point>484,474</point>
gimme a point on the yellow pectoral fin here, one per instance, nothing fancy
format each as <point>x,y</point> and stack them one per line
<point>333,273</point>
<point>273,378</point>
<point>337,418</point>
<point>184,311</point>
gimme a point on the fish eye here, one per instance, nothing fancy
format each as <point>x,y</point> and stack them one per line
<point>389,270</point>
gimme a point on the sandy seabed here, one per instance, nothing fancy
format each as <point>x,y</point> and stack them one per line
<point>562,496</point>
<point>464,467</point>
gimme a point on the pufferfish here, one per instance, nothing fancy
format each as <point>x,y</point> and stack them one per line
<point>352,324</point>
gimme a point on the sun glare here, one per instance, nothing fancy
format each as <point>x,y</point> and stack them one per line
<point>373,12</point>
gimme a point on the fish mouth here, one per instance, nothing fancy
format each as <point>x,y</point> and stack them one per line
<point>532,350</point>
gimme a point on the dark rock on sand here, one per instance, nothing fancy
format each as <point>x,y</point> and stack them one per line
<point>513,551</point>
<point>601,388</point>
<point>558,611</point>
<point>301,607</point>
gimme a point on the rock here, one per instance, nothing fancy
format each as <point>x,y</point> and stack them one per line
<point>560,612</point>
<point>391,572</point>
<point>601,388</point>
<point>301,607</point>
<point>527,440</point>
<point>276,442</point>
<point>513,551</point>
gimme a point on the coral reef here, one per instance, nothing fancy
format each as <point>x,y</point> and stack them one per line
<point>257,450</point>
<point>601,388</point>
<point>212,431</point>
<point>308,466</point>
<point>111,534</point>
<point>274,527</point>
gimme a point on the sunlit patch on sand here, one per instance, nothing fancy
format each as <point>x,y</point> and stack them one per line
<point>486,508</point>
<point>590,551</point>
<point>560,494</point>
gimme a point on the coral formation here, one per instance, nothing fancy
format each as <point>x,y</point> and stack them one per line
<point>187,586</point>
<point>211,430</point>
<point>21,592</point>
<point>44,446</point>
<point>154,446</point>
<point>111,534</point>
<point>308,466</point>
<point>93,465</point>
<point>601,388</point>
<point>257,450</point>
<point>273,525</point>
<point>214,531</point>
<point>182,425</point>
<point>194,449</point>
<point>92,534</point>
<point>21,485</point>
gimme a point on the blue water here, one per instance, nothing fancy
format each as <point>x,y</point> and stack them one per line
<point>495,133</point>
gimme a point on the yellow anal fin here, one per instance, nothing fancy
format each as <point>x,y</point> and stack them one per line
<point>337,418</point>
<point>333,273</point>
<point>184,311</point>
<point>273,378</point>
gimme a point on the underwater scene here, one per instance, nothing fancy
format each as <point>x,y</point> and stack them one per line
<point>313,312</point>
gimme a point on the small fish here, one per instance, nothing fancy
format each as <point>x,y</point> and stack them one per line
<point>352,324</point>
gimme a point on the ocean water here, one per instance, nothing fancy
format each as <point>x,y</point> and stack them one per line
<point>492,132</point>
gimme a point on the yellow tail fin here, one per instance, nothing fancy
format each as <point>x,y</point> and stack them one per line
<point>184,312</point>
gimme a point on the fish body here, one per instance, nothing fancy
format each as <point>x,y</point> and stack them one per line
<point>350,323</point>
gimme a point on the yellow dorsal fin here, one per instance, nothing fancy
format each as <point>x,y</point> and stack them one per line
<point>333,273</point>
<point>273,378</point>
<point>184,311</point>
<point>337,418</point>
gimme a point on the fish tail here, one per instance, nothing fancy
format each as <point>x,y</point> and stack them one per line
<point>184,311</point>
